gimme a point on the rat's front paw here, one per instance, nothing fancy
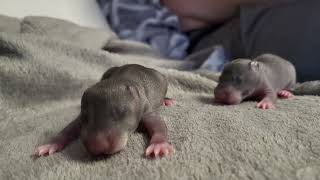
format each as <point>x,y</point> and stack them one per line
<point>285,94</point>
<point>265,104</point>
<point>162,149</point>
<point>48,149</point>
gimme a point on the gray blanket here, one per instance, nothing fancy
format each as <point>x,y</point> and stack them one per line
<point>46,64</point>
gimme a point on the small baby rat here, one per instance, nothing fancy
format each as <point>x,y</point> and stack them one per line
<point>124,98</point>
<point>263,78</point>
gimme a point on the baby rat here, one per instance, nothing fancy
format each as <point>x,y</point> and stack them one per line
<point>263,78</point>
<point>125,97</point>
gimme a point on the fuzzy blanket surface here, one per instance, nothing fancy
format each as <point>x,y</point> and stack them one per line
<point>45,66</point>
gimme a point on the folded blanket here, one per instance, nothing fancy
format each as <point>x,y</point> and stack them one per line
<point>46,64</point>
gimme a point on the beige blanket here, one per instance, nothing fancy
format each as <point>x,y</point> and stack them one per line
<point>46,64</point>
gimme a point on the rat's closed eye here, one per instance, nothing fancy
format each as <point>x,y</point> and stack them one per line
<point>84,117</point>
<point>245,93</point>
<point>237,79</point>
<point>119,112</point>
<point>84,120</point>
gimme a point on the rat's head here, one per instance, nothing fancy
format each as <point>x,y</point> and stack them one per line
<point>237,81</point>
<point>108,114</point>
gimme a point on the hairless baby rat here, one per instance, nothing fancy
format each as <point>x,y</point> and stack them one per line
<point>264,78</point>
<point>124,98</point>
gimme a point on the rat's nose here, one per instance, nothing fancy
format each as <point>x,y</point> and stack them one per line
<point>220,95</point>
<point>105,143</point>
<point>225,96</point>
<point>97,147</point>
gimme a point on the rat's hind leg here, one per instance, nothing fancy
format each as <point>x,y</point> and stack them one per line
<point>168,102</point>
<point>285,94</point>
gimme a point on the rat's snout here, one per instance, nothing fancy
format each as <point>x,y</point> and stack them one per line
<point>227,95</point>
<point>105,143</point>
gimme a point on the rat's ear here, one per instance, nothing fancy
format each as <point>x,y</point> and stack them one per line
<point>108,73</point>
<point>84,100</point>
<point>83,116</point>
<point>133,90</point>
<point>254,65</point>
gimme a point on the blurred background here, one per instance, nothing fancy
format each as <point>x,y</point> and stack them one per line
<point>83,12</point>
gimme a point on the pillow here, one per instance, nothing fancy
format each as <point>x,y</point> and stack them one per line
<point>82,12</point>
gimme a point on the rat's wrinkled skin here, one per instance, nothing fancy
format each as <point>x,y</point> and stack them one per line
<point>126,97</point>
<point>264,79</point>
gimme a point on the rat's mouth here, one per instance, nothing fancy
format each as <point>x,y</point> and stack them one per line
<point>227,101</point>
<point>105,143</point>
<point>227,97</point>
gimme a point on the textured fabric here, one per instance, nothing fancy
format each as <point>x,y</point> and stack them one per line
<point>146,21</point>
<point>46,64</point>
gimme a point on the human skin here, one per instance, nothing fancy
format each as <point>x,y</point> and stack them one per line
<point>196,14</point>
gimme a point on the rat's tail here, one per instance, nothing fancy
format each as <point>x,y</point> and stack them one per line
<point>307,88</point>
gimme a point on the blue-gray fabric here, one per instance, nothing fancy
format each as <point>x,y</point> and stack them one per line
<point>146,21</point>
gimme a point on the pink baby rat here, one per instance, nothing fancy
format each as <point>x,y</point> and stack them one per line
<point>265,78</point>
<point>125,98</point>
